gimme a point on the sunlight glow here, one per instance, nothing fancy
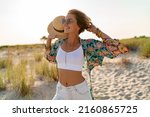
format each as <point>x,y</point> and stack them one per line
<point>25,21</point>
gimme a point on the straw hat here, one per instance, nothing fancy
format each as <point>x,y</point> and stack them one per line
<point>56,28</point>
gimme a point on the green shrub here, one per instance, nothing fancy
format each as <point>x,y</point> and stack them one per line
<point>141,44</point>
<point>145,50</point>
<point>133,44</point>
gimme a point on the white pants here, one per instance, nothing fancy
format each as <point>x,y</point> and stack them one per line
<point>76,92</point>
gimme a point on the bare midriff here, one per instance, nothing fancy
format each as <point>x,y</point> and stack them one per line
<point>69,77</point>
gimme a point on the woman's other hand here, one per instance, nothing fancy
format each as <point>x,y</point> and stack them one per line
<point>92,28</point>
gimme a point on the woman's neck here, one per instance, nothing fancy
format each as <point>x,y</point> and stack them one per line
<point>73,40</point>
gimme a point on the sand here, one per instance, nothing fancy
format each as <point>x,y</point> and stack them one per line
<point>117,80</point>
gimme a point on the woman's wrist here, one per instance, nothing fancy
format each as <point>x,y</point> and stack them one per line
<point>48,44</point>
<point>47,47</point>
<point>98,32</point>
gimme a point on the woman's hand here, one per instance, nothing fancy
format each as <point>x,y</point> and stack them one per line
<point>92,28</point>
<point>48,42</point>
<point>123,49</point>
<point>49,39</point>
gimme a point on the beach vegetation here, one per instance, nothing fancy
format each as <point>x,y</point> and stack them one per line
<point>5,62</point>
<point>139,44</point>
<point>19,79</point>
<point>49,71</point>
<point>2,82</point>
<point>38,57</point>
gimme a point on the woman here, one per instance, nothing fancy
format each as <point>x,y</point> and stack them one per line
<point>71,53</point>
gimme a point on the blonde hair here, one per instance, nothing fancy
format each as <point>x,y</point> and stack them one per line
<point>83,20</point>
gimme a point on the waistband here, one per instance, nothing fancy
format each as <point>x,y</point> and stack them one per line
<point>77,85</point>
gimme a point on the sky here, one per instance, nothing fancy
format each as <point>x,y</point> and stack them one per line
<point>26,21</point>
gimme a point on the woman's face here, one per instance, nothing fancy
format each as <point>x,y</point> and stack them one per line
<point>70,24</point>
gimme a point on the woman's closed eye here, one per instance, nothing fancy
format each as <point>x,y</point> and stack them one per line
<point>67,21</point>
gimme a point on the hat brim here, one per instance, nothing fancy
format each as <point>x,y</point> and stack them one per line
<point>58,34</point>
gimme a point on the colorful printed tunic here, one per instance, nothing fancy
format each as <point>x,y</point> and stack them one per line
<point>94,52</point>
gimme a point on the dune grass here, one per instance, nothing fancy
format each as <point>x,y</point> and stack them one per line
<point>20,75</point>
<point>49,71</point>
<point>53,72</point>
<point>2,63</point>
<point>2,82</point>
<point>141,44</point>
<point>5,62</point>
<point>19,79</point>
<point>145,50</point>
<point>38,57</point>
<point>25,46</point>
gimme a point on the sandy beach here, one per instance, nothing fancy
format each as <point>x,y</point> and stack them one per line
<point>121,80</point>
<point>127,77</point>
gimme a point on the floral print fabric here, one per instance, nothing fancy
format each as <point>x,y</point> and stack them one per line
<point>94,52</point>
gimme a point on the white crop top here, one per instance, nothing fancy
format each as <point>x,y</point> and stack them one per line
<point>70,60</point>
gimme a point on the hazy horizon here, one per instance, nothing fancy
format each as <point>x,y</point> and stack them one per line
<point>26,21</point>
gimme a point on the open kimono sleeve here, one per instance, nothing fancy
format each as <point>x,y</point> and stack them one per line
<point>102,50</point>
<point>51,55</point>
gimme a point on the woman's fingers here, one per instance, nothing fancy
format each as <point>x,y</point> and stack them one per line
<point>92,28</point>
<point>51,36</point>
